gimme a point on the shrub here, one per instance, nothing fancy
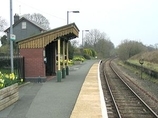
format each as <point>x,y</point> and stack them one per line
<point>87,57</point>
<point>78,58</point>
<point>61,62</point>
<point>70,62</point>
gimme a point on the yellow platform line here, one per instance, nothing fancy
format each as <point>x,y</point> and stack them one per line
<point>88,104</point>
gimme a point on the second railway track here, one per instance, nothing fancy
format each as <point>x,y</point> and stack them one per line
<point>121,100</point>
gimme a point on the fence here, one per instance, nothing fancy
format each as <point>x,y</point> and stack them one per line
<point>148,71</point>
<point>5,65</point>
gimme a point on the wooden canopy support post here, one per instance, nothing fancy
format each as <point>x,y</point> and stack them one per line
<point>63,69</point>
<point>67,58</point>
<point>59,70</point>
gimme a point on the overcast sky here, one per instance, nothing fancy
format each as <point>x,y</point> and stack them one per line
<point>119,19</point>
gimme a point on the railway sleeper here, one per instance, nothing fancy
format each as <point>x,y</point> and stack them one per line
<point>134,110</point>
<point>129,104</point>
<point>135,115</point>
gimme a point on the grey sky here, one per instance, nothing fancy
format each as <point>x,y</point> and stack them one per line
<point>119,19</point>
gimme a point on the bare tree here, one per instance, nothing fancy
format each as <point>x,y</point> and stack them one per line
<point>99,42</point>
<point>93,37</point>
<point>3,24</point>
<point>39,19</point>
<point>75,43</point>
<point>156,45</point>
<point>104,48</point>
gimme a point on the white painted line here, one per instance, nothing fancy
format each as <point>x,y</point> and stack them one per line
<point>103,104</point>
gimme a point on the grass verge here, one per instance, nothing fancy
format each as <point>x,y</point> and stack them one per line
<point>137,72</point>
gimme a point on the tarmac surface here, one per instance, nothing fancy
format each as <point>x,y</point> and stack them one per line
<point>51,99</point>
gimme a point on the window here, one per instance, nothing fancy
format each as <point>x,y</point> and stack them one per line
<point>23,25</point>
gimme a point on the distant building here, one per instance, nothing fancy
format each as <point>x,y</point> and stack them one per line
<point>24,28</point>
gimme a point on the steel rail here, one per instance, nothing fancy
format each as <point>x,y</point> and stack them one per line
<point>147,106</point>
<point>113,99</point>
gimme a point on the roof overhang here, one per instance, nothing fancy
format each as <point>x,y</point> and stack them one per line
<point>66,32</point>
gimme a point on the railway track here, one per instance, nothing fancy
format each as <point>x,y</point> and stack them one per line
<point>120,98</point>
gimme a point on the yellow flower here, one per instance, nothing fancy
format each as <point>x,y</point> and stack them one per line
<point>12,76</point>
<point>21,80</point>
<point>1,85</point>
<point>1,80</point>
<point>7,76</point>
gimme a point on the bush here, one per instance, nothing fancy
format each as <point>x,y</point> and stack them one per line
<point>61,62</point>
<point>5,61</point>
<point>70,62</point>
<point>87,57</point>
<point>78,58</point>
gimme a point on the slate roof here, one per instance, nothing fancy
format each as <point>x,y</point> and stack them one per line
<point>32,22</point>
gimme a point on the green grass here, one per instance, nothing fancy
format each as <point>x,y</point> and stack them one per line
<point>149,56</point>
<point>152,66</point>
<point>137,72</point>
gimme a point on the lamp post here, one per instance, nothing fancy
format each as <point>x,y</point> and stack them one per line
<point>83,35</point>
<point>68,15</point>
<point>67,58</point>
<point>11,41</point>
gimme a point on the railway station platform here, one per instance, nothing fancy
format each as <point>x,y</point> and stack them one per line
<point>90,102</point>
<point>79,95</point>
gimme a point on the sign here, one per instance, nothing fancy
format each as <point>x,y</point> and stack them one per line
<point>141,61</point>
<point>12,37</point>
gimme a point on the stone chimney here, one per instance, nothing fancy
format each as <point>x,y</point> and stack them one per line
<point>16,18</point>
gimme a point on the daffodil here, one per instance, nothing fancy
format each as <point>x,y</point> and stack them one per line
<point>1,80</point>
<point>21,80</point>
<point>1,85</point>
<point>8,79</point>
<point>12,76</point>
<point>7,76</point>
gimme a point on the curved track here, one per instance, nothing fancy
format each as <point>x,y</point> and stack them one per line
<point>121,100</point>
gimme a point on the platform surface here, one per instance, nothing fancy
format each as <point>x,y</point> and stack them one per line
<point>63,99</point>
<point>88,104</point>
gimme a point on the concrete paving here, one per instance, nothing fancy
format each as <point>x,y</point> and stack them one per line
<point>51,99</point>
